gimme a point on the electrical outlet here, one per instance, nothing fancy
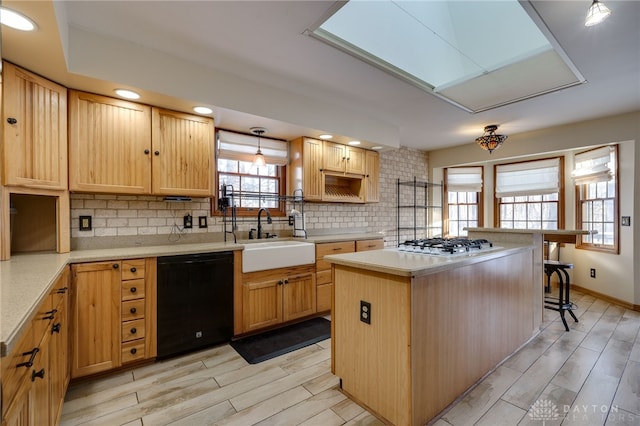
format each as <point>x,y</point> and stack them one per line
<point>202,221</point>
<point>188,221</point>
<point>291,222</point>
<point>592,272</point>
<point>365,312</point>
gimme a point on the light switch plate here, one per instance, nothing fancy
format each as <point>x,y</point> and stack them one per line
<point>626,221</point>
<point>85,223</point>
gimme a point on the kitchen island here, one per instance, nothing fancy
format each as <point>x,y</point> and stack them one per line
<point>411,333</point>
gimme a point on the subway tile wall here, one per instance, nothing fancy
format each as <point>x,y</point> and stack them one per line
<point>127,215</point>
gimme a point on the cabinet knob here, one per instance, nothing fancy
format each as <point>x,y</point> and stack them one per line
<point>344,158</point>
<point>133,310</point>
<point>133,289</point>
<point>35,374</point>
<point>55,328</point>
<point>11,120</point>
<point>157,153</point>
<point>116,266</point>
<point>280,282</point>
<point>133,270</point>
<point>133,351</point>
<point>133,330</point>
<point>286,281</point>
<point>146,151</point>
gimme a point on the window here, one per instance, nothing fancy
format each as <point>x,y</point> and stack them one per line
<point>463,201</point>
<point>253,186</point>
<point>596,181</point>
<point>529,195</point>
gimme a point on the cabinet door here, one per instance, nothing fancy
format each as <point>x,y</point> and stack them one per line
<point>372,179</point>
<point>95,317</point>
<point>334,156</point>
<point>35,130</point>
<point>299,296</point>
<point>109,145</point>
<point>182,154</point>
<point>312,169</point>
<point>261,304</point>
<point>18,413</point>
<point>355,161</point>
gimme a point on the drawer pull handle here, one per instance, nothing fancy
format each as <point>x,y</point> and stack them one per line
<point>50,314</point>
<point>133,310</point>
<point>55,328</point>
<point>62,290</point>
<point>35,374</point>
<point>337,248</point>
<point>33,352</point>
<point>133,270</point>
<point>133,330</point>
<point>133,351</point>
<point>133,289</point>
<point>116,266</point>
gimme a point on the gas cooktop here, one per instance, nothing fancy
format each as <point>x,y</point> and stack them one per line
<point>444,246</point>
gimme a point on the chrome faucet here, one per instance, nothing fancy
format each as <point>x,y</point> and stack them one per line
<point>262,209</point>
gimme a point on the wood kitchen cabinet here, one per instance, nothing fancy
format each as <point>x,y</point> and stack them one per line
<point>109,145</point>
<point>123,147</point>
<point>114,314</point>
<point>305,168</point>
<point>35,374</point>
<point>276,296</point>
<point>343,158</point>
<point>372,177</point>
<point>183,153</point>
<point>34,120</point>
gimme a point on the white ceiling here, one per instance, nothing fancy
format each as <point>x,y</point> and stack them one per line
<point>252,62</point>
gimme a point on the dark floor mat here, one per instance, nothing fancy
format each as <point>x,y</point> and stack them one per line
<point>273,343</point>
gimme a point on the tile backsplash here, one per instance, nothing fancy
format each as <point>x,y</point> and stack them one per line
<point>148,216</point>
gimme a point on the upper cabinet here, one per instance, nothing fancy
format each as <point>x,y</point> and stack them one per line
<point>182,154</point>
<point>332,172</point>
<point>34,121</point>
<point>127,148</point>
<point>343,158</point>
<point>109,145</point>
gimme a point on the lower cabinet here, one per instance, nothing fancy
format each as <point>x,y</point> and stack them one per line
<point>113,315</point>
<point>276,296</point>
<point>35,374</point>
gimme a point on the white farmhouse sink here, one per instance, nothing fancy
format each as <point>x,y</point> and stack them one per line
<point>277,254</point>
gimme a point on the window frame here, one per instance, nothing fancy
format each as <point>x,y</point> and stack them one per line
<point>561,193</point>
<point>445,207</point>
<point>580,244</point>
<point>280,211</point>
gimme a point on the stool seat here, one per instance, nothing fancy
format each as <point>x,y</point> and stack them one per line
<point>563,303</point>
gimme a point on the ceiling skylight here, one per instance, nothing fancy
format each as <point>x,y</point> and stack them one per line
<point>476,54</point>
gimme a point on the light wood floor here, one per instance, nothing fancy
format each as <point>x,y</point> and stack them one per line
<point>588,376</point>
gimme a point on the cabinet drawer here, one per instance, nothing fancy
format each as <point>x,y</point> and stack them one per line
<point>133,351</point>
<point>132,309</point>
<point>369,245</point>
<point>132,330</point>
<point>13,375</point>
<point>323,277</point>
<point>324,249</point>
<point>132,289</point>
<point>132,269</point>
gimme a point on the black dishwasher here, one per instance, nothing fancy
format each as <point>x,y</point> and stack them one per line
<point>195,302</point>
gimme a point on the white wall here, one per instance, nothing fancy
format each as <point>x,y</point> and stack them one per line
<point>617,276</point>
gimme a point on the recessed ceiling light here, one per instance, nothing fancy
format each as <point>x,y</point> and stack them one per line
<point>202,110</point>
<point>128,94</point>
<point>376,147</point>
<point>16,20</point>
<point>354,142</point>
<point>325,136</point>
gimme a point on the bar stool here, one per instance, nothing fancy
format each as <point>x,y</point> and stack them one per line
<point>563,303</point>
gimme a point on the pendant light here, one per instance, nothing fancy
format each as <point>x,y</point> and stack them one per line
<point>597,13</point>
<point>258,158</point>
<point>489,141</point>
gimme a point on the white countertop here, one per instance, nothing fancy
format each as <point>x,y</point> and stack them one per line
<point>394,262</point>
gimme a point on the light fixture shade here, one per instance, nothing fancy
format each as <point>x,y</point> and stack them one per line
<point>490,141</point>
<point>597,13</point>
<point>258,159</point>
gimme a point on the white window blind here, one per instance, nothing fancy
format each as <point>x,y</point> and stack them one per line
<point>528,178</point>
<point>464,179</point>
<point>593,166</point>
<point>236,146</point>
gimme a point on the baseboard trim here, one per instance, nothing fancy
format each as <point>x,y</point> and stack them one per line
<point>606,298</point>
